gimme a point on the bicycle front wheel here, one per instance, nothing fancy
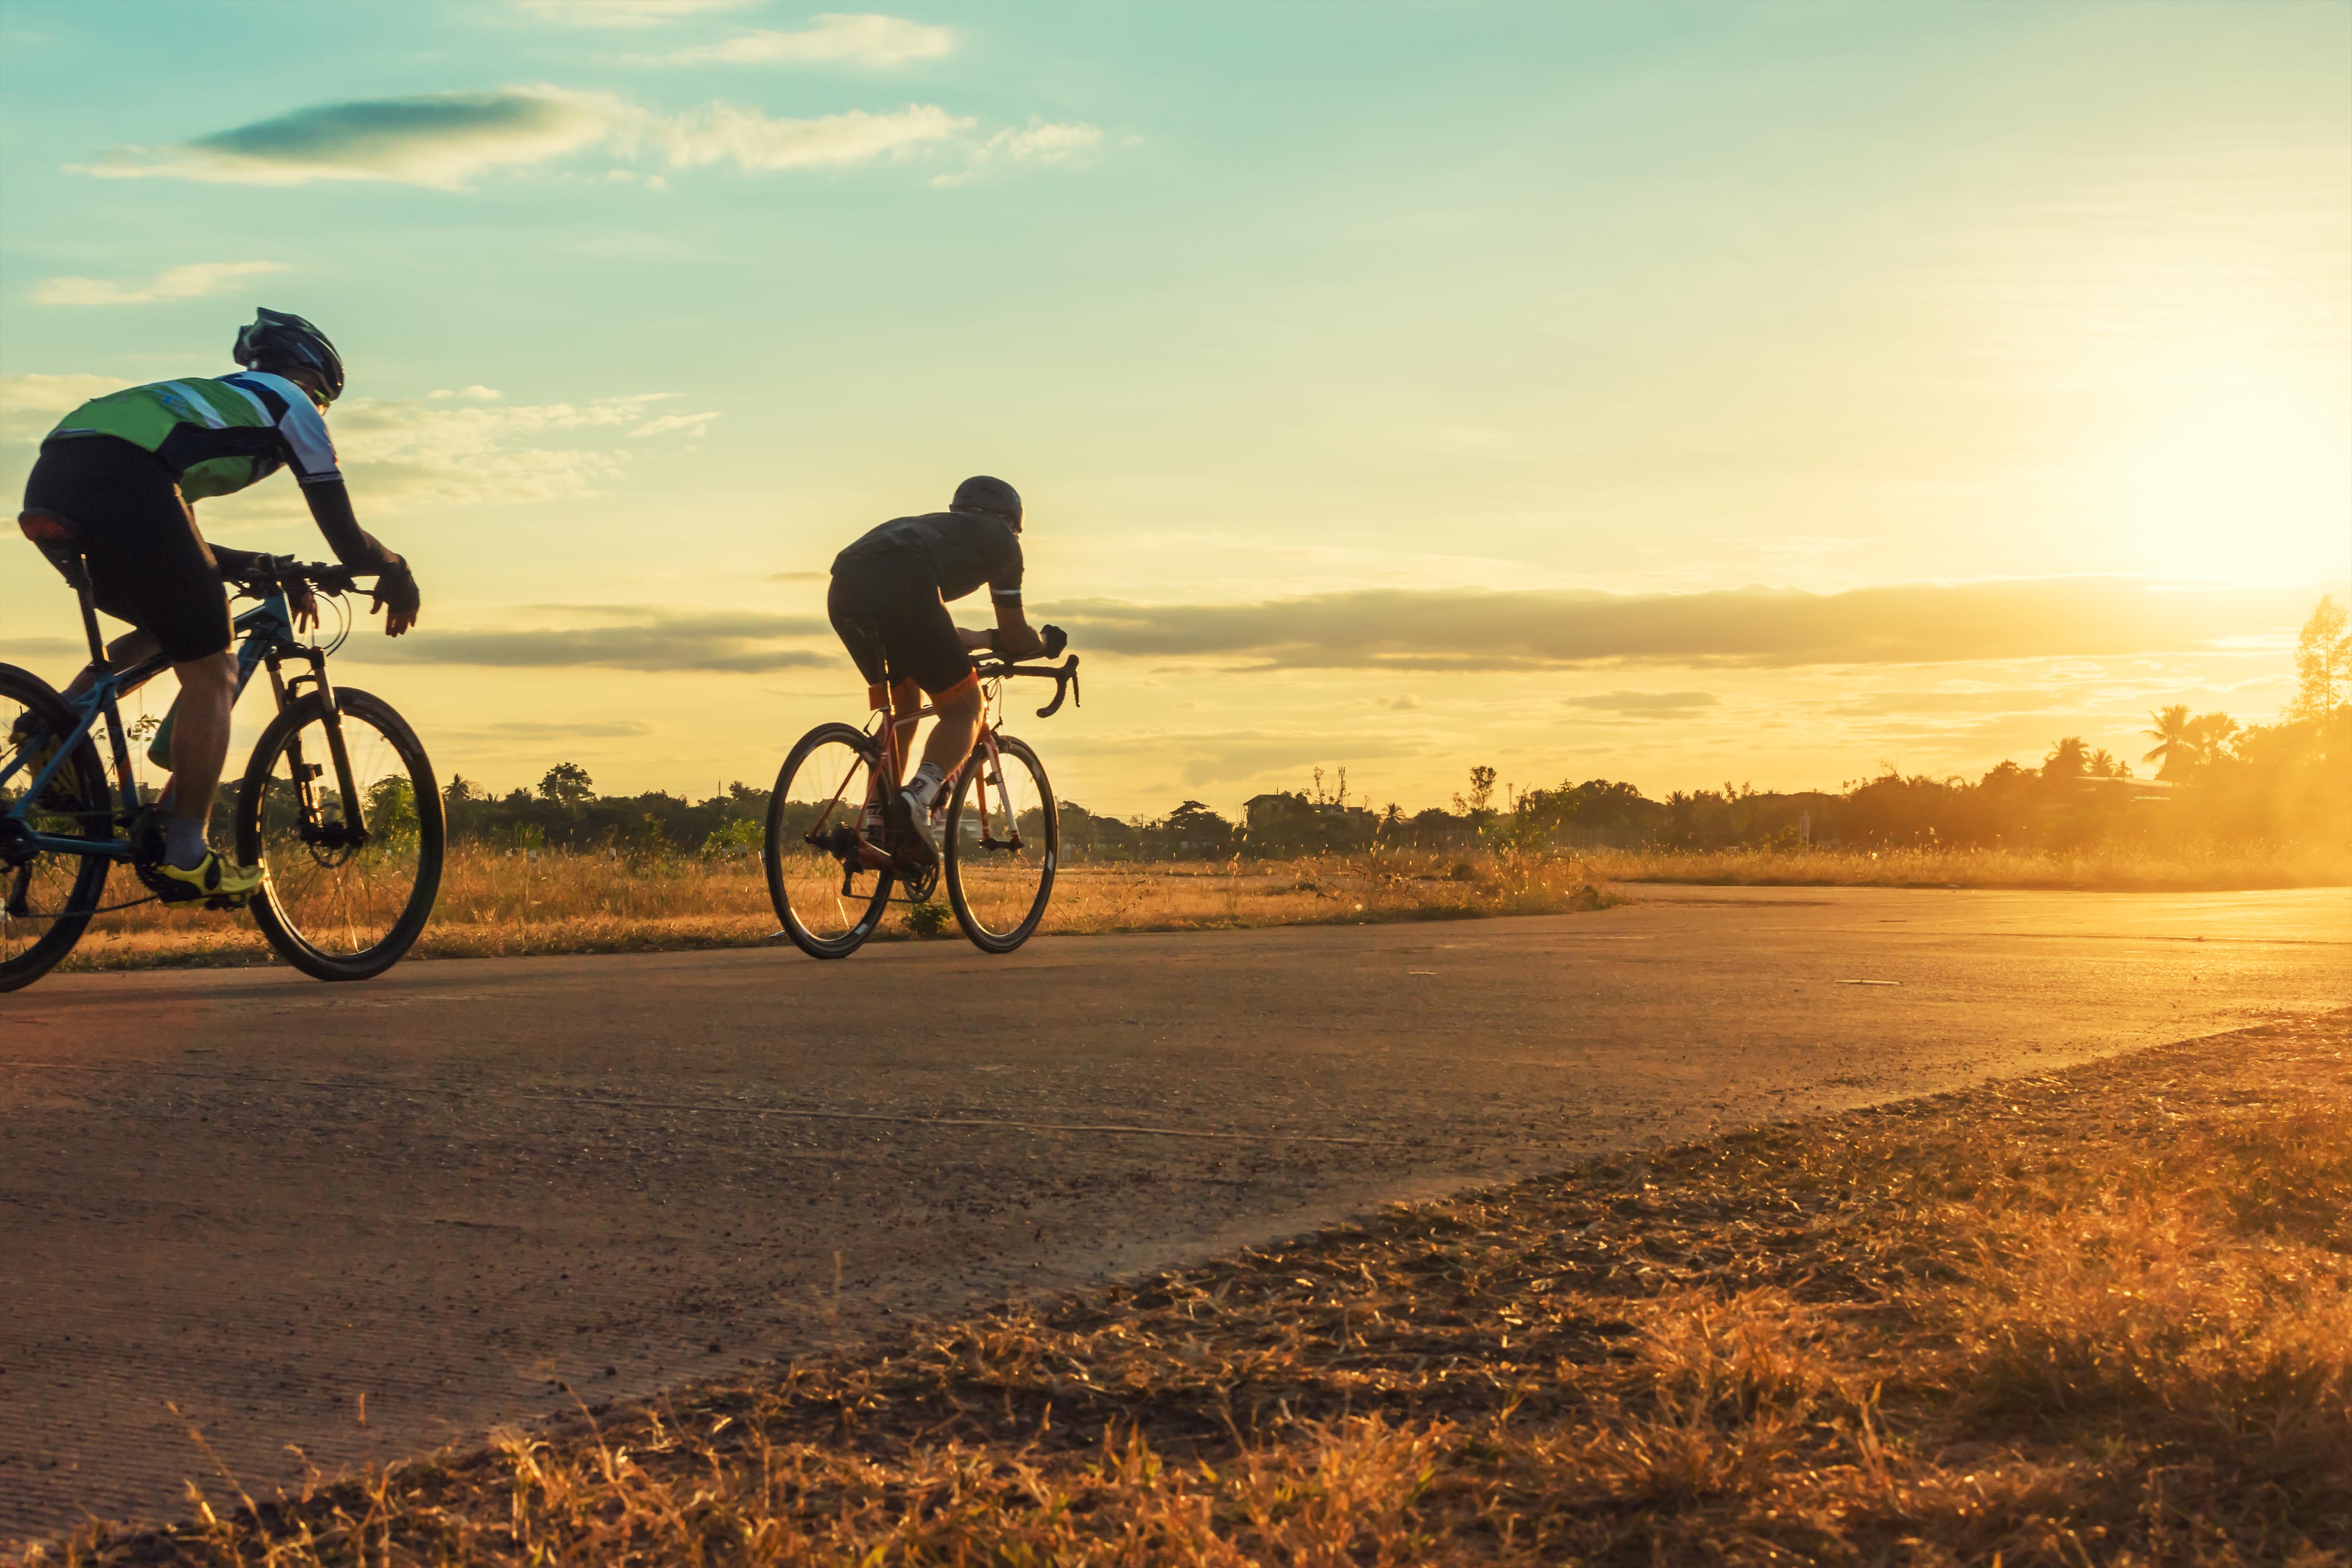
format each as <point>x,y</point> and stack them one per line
<point>1004,839</point>
<point>829,901</point>
<point>46,897</point>
<point>338,905</point>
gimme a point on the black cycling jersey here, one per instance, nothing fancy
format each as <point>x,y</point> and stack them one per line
<point>962,550</point>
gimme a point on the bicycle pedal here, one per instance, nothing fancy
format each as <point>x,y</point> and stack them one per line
<point>146,837</point>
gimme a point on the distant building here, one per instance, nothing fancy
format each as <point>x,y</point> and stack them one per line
<point>1293,819</point>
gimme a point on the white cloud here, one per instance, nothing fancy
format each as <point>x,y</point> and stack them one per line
<point>691,424</point>
<point>408,452</point>
<point>476,392</point>
<point>31,405</point>
<point>192,282</point>
<point>448,139</point>
<point>444,450</point>
<point>867,40</point>
<point>1040,142</point>
<point>626,13</point>
<point>753,141</point>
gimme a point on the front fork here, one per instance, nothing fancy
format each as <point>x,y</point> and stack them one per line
<point>307,773</point>
<point>988,763</point>
<point>285,689</point>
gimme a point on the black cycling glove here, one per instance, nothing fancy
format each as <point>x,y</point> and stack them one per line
<point>236,565</point>
<point>395,589</point>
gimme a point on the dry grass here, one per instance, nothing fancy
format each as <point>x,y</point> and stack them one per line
<point>2102,1317</point>
<point>495,904</point>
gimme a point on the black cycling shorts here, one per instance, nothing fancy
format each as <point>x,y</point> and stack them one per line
<point>896,598</point>
<point>148,564</point>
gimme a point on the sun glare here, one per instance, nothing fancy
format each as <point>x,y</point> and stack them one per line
<point>2241,480</point>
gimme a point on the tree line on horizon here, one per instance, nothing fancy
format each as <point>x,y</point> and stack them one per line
<point>2216,780</point>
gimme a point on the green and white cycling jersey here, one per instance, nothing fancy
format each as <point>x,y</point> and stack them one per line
<point>216,436</point>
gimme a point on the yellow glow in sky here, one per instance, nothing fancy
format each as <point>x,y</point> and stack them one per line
<point>1666,301</point>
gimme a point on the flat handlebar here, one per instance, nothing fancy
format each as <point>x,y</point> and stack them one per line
<point>284,571</point>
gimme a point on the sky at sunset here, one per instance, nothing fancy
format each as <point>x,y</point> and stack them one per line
<point>1660,392</point>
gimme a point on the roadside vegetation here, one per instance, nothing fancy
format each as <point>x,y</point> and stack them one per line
<point>499,903</point>
<point>563,869</point>
<point>2101,1316</point>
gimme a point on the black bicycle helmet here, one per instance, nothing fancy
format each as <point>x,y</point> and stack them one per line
<point>276,339</point>
<point>994,496</point>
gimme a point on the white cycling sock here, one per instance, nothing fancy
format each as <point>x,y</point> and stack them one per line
<point>183,844</point>
<point>925,786</point>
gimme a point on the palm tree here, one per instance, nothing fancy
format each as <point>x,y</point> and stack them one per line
<point>2215,733</point>
<point>2176,746</point>
<point>2066,760</point>
<point>2102,766</point>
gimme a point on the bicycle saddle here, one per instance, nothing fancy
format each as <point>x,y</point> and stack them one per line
<point>49,527</point>
<point>864,638</point>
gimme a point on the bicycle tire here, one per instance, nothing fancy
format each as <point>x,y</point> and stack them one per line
<point>987,935</point>
<point>779,836</point>
<point>93,811</point>
<point>284,930</point>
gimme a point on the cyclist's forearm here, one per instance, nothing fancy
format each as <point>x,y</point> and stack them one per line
<point>235,562</point>
<point>1013,635</point>
<point>355,547</point>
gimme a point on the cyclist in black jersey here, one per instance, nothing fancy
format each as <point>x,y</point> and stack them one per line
<point>895,583</point>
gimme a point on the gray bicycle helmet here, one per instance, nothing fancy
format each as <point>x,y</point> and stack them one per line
<point>994,496</point>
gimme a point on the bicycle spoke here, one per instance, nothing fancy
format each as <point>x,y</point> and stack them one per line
<point>827,898</point>
<point>339,898</point>
<point>46,898</point>
<point>1001,856</point>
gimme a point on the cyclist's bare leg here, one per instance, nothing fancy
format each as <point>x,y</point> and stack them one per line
<point>200,739</point>
<point>958,727</point>
<point>905,698</point>
<point>122,653</point>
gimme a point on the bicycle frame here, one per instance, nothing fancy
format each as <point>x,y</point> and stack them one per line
<point>869,855</point>
<point>267,631</point>
<point>894,759</point>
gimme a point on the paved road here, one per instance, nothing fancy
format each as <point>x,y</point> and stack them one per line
<point>452,1190</point>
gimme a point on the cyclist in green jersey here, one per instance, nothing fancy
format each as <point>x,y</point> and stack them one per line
<point>120,473</point>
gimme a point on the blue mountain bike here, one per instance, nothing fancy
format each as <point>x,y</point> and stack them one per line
<point>337,805</point>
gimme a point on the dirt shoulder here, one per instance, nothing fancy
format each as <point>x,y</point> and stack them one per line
<point>2100,1315</point>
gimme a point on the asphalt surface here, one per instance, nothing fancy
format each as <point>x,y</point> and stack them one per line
<point>365,1220</point>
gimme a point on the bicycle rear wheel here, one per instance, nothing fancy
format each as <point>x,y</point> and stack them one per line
<point>47,898</point>
<point>828,901</point>
<point>332,909</point>
<point>1004,839</point>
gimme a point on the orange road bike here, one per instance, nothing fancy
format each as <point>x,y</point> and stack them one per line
<point>337,805</point>
<point>832,865</point>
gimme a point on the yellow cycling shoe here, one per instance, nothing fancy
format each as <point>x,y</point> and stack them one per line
<point>221,884</point>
